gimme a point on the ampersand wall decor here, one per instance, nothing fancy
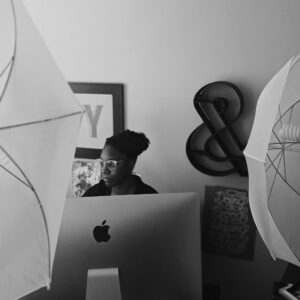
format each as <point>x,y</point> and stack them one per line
<point>214,148</point>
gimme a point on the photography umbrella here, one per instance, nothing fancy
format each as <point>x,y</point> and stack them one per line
<point>39,121</point>
<point>272,156</point>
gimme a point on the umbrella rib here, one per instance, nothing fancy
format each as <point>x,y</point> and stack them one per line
<point>14,175</point>
<point>274,175</point>
<point>274,158</point>
<point>284,164</point>
<point>290,146</point>
<point>278,139</point>
<point>5,68</point>
<point>293,150</point>
<point>274,143</point>
<point>274,148</point>
<point>38,200</point>
<point>41,121</point>
<point>291,112</point>
<point>280,116</point>
<point>12,61</point>
<point>290,143</point>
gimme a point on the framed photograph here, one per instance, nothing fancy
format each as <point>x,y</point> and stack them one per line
<point>104,117</point>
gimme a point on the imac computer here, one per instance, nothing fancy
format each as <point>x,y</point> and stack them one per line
<point>153,241</point>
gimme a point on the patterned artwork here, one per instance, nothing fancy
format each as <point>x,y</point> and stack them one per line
<point>85,173</point>
<point>228,225</point>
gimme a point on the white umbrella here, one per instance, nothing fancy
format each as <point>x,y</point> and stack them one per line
<point>39,121</point>
<point>272,156</point>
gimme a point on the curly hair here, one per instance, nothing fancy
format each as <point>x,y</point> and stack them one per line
<point>129,142</point>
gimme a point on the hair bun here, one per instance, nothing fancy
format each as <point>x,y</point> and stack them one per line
<point>140,141</point>
<point>129,142</point>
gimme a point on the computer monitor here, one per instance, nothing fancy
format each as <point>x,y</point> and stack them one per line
<point>154,241</point>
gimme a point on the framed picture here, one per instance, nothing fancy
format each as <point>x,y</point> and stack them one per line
<point>228,228</point>
<point>104,117</point>
<point>85,173</point>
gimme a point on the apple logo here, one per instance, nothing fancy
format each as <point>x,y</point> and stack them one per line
<point>100,232</point>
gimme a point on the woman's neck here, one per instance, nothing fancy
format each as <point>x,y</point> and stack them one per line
<point>125,188</point>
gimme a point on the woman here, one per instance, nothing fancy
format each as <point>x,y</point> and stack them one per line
<point>117,162</point>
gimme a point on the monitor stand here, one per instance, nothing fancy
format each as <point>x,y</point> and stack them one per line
<point>103,284</point>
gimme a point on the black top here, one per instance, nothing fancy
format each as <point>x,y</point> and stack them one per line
<point>100,189</point>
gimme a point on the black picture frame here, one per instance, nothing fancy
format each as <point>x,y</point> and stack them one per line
<point>117,92</point>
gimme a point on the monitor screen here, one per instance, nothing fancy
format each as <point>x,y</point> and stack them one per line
<point>152,240</point>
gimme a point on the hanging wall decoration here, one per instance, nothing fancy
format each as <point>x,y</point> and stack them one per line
<point>228,229</point>
<point>214,148</point>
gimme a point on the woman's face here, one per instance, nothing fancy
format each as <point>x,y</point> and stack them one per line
<point>111,175</point>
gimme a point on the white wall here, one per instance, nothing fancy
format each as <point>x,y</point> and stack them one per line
<point>164,51</point>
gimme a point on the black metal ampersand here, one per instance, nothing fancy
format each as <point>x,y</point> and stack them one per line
<point>214,148</point>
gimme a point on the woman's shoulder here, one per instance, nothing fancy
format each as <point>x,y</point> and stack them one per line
<point>99,189</point>
<point>143,188</point>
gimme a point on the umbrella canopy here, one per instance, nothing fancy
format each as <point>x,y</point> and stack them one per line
<point>274,166</point>
<point>39,122</point>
